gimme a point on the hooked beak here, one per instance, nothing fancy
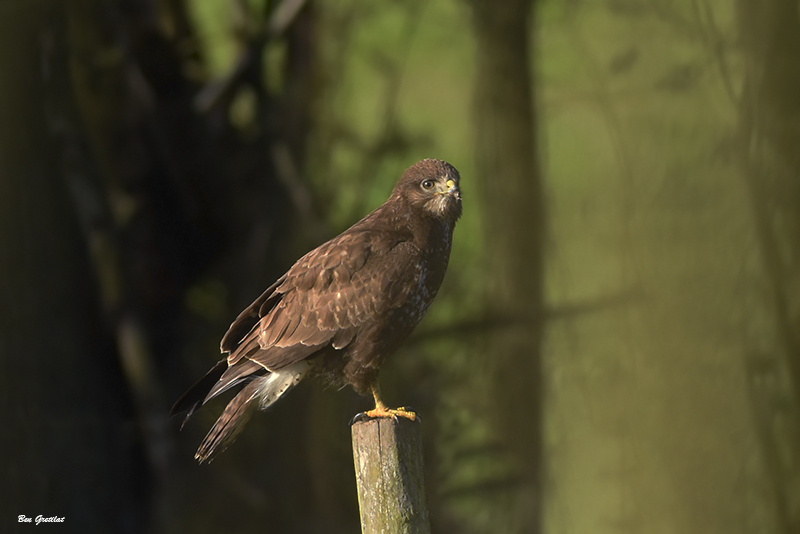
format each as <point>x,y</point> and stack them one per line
<point>452,189</point>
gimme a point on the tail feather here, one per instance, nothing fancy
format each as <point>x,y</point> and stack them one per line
<point>230,423</point>
<point>196,396</point>
<point>264,389</point>
<point>242,371</point>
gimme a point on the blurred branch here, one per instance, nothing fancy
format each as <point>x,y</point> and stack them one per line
<point>299,192</point>
<point>501,321</point>
<point>391,139</point>
<point>221,91</point>
<point>605,103</point>
<point>667,12</point>
<point>714,43</point>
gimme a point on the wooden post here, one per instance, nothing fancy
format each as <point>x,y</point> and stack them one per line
<point>389,475</point>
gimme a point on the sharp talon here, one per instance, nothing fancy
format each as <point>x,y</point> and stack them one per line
<point>409,413</point>
<point>359,418</point>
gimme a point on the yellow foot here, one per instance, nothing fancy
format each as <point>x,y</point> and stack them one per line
<point>383,411</point>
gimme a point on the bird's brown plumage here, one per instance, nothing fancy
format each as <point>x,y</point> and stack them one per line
<point>342,308</point>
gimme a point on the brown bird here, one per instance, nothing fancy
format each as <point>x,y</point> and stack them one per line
<point>341,309</point>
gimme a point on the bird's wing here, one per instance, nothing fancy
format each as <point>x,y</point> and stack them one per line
<point>246,320</point>
<point>327,296</point>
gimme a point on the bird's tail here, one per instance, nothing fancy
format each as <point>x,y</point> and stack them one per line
<point>260,393</point>
<point>196,396</point>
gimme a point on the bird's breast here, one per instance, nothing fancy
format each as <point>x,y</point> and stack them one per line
<point>430,273</point>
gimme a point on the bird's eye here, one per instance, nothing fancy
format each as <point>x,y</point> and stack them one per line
<point>427,184</point>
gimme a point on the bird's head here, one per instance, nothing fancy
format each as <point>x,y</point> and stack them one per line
<point>432,186</point>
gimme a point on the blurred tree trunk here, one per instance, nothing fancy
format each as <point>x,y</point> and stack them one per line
<point>68,437</point>
<point>511,193</point>
<point>117,194</point>
<point>770,130</point>
<point>152,176</point>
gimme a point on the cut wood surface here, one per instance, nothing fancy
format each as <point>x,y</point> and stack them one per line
<point>389,475</point>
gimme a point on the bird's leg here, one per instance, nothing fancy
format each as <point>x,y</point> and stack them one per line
<point>376,394</point>
<point>382,411</point>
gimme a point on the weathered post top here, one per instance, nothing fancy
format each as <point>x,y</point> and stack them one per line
<point>389,475</point>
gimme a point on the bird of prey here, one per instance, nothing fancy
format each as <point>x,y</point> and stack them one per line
<point>341,309</point>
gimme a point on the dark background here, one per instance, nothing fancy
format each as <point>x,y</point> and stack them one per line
<point>616,347</point>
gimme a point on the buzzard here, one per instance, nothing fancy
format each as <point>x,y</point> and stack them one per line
<point>341,309</point>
